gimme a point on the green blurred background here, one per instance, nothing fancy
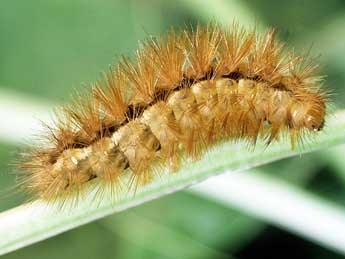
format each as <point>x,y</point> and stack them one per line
<point>50,48</point>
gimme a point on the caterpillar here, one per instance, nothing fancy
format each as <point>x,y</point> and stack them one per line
<point>184,93</point>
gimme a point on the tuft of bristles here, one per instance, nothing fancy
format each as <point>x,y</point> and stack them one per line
<point>184,93</point>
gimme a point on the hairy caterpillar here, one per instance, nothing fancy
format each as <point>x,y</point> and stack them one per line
<point>186,92</point>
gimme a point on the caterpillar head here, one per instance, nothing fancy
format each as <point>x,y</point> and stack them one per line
<point>308,112</point>
<point>314,118</point>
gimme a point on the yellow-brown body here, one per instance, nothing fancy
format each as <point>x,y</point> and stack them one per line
<point>186,93</point>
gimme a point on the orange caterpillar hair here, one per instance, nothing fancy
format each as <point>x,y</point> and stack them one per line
<point>186,92</point>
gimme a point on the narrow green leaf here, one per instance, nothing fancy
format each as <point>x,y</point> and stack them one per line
<point>33,222</point>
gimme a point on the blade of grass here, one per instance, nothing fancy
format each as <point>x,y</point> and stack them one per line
<point>280,204</point>
<point>21,115</point>
<point>33,222</point>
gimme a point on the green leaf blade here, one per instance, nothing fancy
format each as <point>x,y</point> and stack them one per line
<point>30,223</point>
